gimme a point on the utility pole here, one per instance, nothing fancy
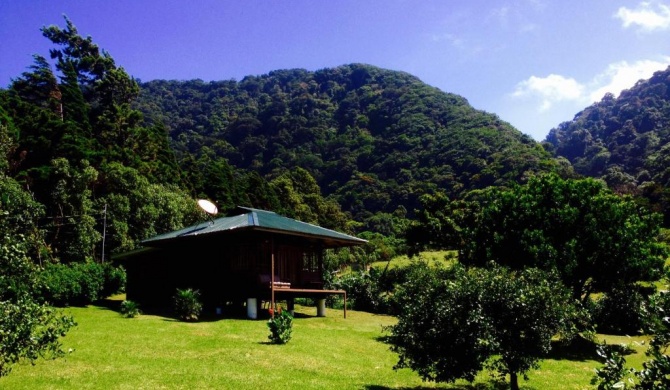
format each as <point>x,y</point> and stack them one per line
<point>104,231</point>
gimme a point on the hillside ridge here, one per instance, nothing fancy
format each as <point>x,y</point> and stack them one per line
<point>374,139</point>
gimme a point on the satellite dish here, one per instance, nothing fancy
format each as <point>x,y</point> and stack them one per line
<point>208,207</point>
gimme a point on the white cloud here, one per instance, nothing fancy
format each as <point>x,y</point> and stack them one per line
<point>529,27</point>
<point>622,75</point>
<point>648,16</point>
<point>501,15</point>
<point>551,89</point>
<point>517,15</point>
<point>555,89</point>
<point>454,40</point>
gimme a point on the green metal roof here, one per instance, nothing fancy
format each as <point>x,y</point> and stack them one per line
<point>260,220</point>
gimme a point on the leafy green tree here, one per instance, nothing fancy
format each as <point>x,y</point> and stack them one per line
<point>34,104</point>
<point>73,223</point>
<point>95,99</point>
<point>594,239</point>
<point>138,209</point>
<point>437,224</point>
<point>455,323</point>
<point>18,278</point>
<point>300,197</point>
<point>7,135</point>
<point>69,130</point>
<point>29,330</point>
<point>257,192</point>
<point>655,373</point>
<point>40,86</point>
<point>19,217</point>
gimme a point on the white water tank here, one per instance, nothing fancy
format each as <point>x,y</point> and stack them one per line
<point>252,308</point>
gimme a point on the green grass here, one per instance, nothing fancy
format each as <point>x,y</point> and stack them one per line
<point>432,257</point>
<point>153,352</point>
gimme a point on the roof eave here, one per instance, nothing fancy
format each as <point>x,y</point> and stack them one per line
<point>326,241</point>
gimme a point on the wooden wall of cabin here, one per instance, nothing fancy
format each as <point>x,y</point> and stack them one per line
<point>222,270</point>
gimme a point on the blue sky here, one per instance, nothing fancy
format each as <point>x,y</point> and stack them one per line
<point>534,63</point>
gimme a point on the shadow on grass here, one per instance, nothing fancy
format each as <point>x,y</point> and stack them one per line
<point>109,304</point>
<point>489,385</point>
<point>581,349</point>
<point>229,312</point>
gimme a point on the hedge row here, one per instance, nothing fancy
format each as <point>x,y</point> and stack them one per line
<point>80,283</point>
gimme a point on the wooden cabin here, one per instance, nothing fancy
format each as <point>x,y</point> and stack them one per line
<point>232,259</point>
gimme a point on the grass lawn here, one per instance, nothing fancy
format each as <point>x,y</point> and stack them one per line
<point>432,257</point>
<point>154,352</point>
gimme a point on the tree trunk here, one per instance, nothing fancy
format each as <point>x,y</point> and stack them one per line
<point>513,381</point>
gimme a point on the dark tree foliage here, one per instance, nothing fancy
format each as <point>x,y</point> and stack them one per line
<point>373,139</point>
<point>594,239</point>
<point>624,140</point>
<point>300,197</point>
<point>655,372</point>
<point>28,329</point>
<point>63,126</point>
<point>453,324</point>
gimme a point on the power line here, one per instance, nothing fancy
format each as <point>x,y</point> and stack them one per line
<point>76,215</point>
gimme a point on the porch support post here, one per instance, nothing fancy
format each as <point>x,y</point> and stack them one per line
<point>290,302</point>
<point>272,276</point>
<point>345,304</point>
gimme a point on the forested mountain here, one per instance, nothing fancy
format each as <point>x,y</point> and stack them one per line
<point>624,140</point>
<point>375,140</point>
<point>87,149</point>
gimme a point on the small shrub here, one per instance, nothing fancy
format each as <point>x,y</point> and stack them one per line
<point>281,326</point>
<point>92,279</point>
<point>620,311</point>
<point>60,285</point>
<point>362,291</point>
<point>130,309</point>
<point>373,291</point>
<point>115,280</point>
<point>187,304</point>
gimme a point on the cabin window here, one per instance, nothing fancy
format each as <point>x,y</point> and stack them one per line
<point>310,261</point>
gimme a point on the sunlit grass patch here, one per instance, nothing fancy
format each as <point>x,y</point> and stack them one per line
<point>432,257</point>
<point>155,352</point>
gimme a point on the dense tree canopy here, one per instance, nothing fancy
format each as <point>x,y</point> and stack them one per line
<point>29,329</point>
<point>593,238</point>
<point>453,324</point>
<point>373,139</point>
<point>624,140</point>
<point>71,137</point>
<point>63,132</point>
